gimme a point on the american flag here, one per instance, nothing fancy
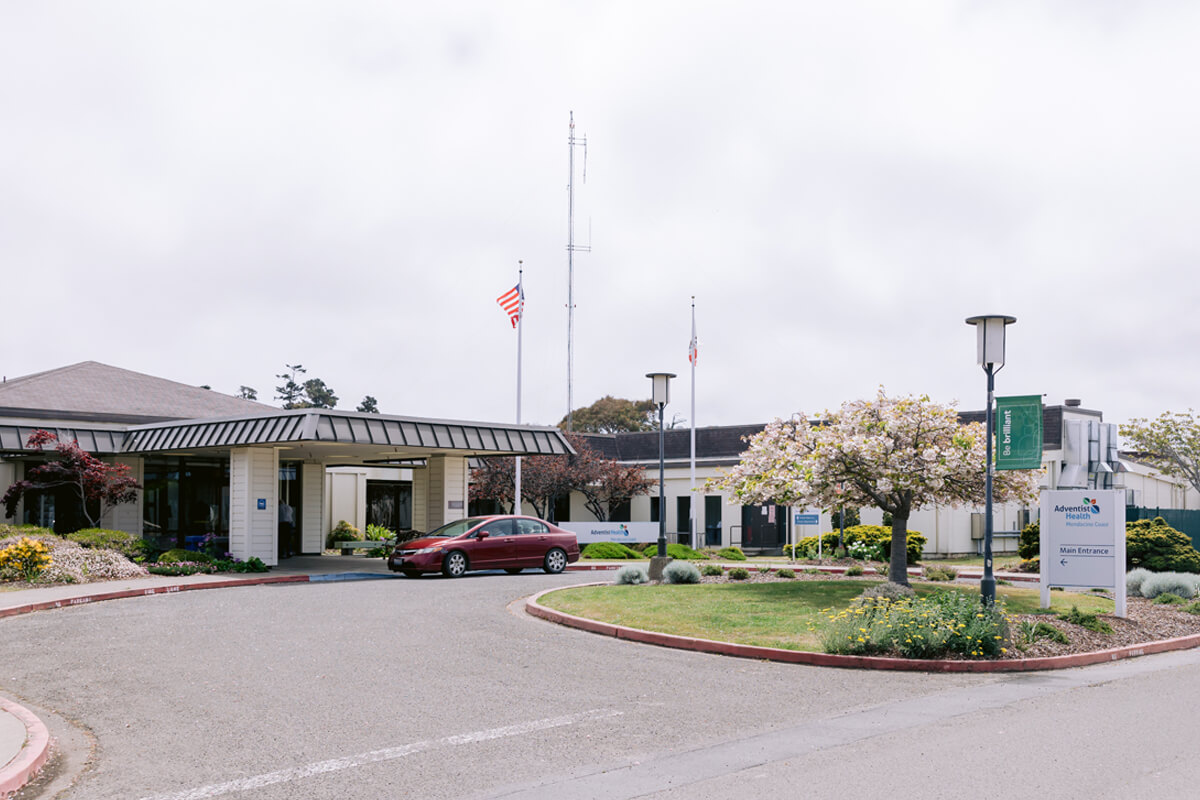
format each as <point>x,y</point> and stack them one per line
<point>693,352</point>
<point>513,303</point>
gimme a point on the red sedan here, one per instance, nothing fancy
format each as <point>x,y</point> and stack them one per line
<point>505,542</point>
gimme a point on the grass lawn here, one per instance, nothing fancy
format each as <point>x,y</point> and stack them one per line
<point>777,614</point>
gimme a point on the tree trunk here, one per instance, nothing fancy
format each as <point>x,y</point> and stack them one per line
<point>898,567</point>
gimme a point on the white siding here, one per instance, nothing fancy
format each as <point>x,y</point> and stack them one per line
<point>447,487</point>
<point>346,499</point>
<point>312,508</point>
<point>254,476</point>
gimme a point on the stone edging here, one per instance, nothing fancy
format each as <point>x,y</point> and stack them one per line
<point>32,756</point>
<point>533,607</point>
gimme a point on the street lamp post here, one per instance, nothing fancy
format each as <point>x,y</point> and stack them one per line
<point>989,334</point>
<point>661,396</point>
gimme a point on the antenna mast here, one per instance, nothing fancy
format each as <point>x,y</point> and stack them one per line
<point>572,143</point>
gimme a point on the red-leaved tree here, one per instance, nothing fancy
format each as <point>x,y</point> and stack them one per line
<point>94,482</point>
<point>602,481</point>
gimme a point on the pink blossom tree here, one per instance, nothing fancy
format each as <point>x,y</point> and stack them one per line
<point>894,453</point>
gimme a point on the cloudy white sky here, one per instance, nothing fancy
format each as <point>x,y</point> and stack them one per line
<point>207,191</point>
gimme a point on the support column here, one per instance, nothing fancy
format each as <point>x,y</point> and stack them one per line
<point>312,508</point>
<point>420,500</point>
<point>254,503</point>
<point>447,490</point>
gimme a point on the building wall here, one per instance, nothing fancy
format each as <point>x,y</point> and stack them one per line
<point>254,476</point>
<point>312,510</point>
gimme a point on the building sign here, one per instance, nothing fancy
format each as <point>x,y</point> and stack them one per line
<point>624,532</point>
<point>1019,432</point>
<point>1083,542</point>
<point>806,518</point>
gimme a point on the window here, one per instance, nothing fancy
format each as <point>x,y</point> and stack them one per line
<point>500,527</point>
<point>654,509</point>
<point>619,510</point>
<point>562,508</point>
<point>530,527</point>
<point>683,514</point>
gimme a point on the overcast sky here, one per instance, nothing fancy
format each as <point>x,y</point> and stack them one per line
<point>208,191</point>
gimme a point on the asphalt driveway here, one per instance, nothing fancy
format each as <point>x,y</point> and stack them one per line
<point>440,688</point>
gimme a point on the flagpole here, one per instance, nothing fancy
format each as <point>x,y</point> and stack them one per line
<point>520,326</point>
<point>693,356</point>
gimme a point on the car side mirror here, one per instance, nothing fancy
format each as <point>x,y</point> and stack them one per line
<point>481,534</point>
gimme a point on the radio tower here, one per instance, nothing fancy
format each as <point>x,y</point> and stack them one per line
<point>572,143</point>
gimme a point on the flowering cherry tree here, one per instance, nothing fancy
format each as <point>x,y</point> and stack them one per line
<point>894,453</point>
<point>92,480</point>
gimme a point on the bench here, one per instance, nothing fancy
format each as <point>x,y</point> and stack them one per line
<point>350,547</point>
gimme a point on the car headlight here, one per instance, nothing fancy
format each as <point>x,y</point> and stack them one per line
<point>428,550</point>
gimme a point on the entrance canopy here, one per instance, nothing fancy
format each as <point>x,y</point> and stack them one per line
<point>323,435</point>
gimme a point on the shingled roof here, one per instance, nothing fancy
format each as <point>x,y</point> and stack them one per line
<point>98,392</point>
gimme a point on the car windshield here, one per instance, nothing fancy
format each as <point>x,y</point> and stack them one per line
<point>456,528</point>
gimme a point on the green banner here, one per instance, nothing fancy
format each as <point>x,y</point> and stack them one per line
<point>1019,432</point>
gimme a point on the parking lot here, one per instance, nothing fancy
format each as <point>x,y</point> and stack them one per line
<point>445,689</point>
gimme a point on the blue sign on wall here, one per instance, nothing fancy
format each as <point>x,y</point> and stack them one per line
<point>262,504</point>
<point>808,519</point>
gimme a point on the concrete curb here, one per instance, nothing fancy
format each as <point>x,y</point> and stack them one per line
<point>166,589</point>
<point>32,755</point>
<point>534,608</point>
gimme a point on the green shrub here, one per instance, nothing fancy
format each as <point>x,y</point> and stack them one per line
<point>889,590</point>
<point>343,532</point>
<point>1029,632</point>
<point>128,545</point>
<point>681,572</point>
<point>180,568</point>
<point>177,555</point>
<point>940,573</point>
<point>1158,547</point>
<point>1030,546</point>
<point>923,627</point>
<point>676,550</point>
<point>854,570</point>
<point>712,570</point>
<point>378,533</point>
<point>738,574</point>
<point>1089,621</point>
<point>1134,579</point>
<point>764,569</point>
<point>1168,599</point>
<point>1193,607</point>
<point>731,554</point>
<point>631,576</point>
<point>609,551</point>
<point>785,573</point>
<point>1030,565</point>
<point>1182,584</point>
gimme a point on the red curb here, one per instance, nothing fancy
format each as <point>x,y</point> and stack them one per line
<point>172,589</point>
<point>22,769</point>
<point>534,608</point>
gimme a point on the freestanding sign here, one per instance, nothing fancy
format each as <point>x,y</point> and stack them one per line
<point>1083,542</point>
<point>1019,432</point>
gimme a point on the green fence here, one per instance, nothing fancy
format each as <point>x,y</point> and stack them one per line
<point>1187,521</point>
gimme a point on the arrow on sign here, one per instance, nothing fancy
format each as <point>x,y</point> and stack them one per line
<point>1063,562</point>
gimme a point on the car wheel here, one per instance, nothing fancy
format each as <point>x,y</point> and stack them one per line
<point>454,564</point>
<point>556,561</point>
<point>512,570</point>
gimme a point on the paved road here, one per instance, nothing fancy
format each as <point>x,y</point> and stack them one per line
<point>439,689</point>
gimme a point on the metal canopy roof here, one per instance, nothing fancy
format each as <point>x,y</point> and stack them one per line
<point>378,435</point>
<point>342,434</point>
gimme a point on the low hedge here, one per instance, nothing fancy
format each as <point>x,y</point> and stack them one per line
<point>128,545</point>
<point>178,555</point>
<point>676,550</point>
<point>731,554</point>
<point>873,535</point>
<point>609,551</point>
